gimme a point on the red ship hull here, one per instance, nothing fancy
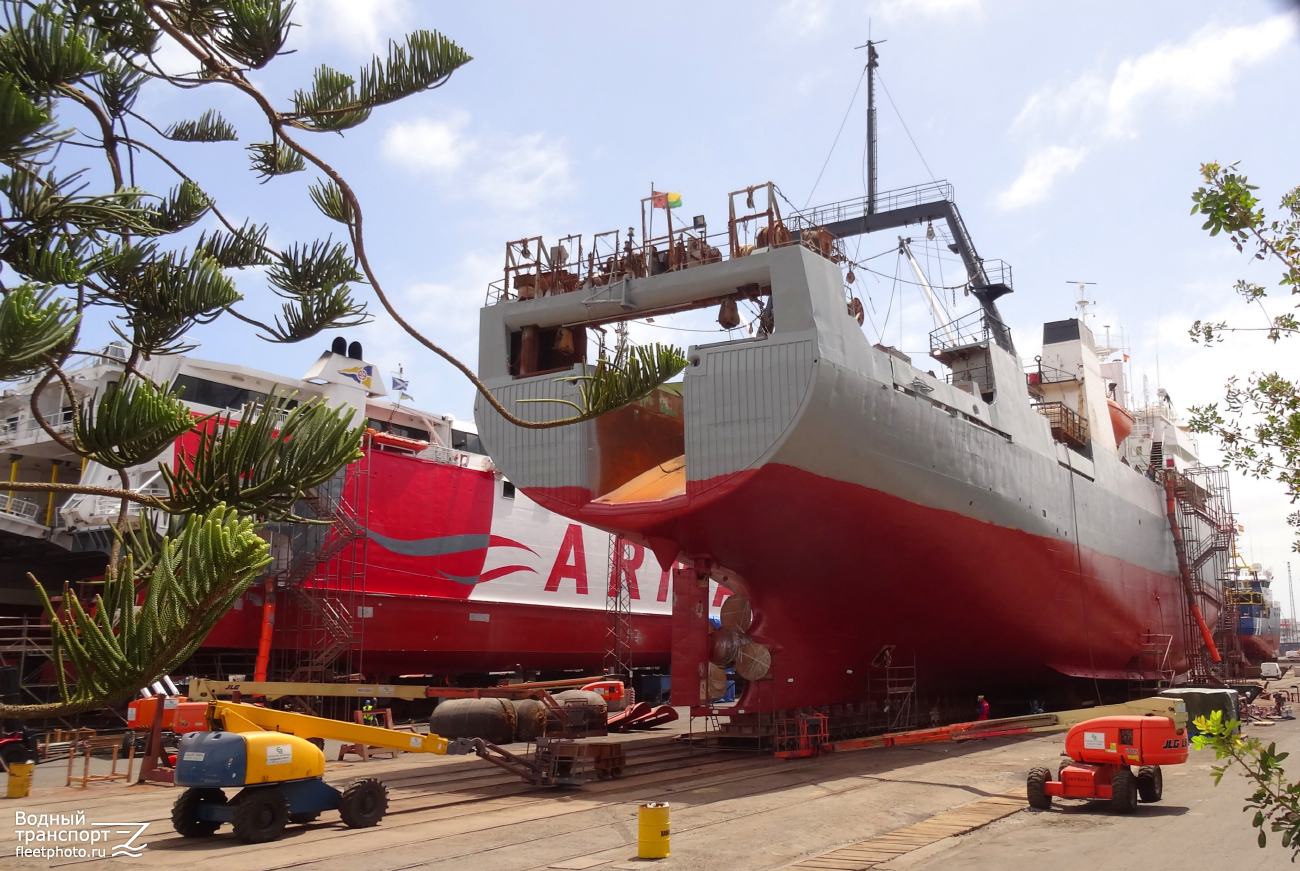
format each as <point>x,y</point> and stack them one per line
<point>844,584</point>
<point>425,635</point>
<point>1259,648</point>
<point>447,576</point>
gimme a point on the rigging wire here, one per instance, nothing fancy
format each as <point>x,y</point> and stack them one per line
<point>905,130</point>
<point>880,337</point>
<point>856,88</point>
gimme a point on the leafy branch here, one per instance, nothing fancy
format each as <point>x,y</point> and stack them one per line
<point>1258,421</point>
<point>1275,801</point>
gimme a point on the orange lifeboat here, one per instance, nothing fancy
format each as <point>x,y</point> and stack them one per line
<point>1121,420</point>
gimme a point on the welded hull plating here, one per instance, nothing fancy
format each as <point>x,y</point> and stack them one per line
<point>861,502</point>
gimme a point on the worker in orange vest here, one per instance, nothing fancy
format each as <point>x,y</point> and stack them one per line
<point>981,709</point>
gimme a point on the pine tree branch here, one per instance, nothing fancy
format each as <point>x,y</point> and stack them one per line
<point>88,490</point>
<point>136,143</point>
<point>105,126</point>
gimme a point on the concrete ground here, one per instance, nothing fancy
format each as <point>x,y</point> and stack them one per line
<point>729,811</point>
<point>1196,826</point>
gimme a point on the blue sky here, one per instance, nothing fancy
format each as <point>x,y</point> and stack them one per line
<point>1072,135</point>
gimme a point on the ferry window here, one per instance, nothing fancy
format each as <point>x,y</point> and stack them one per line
<point>397,429</point>
<point>507,490</point>
<point>466,441</point>
<point>215,394</point>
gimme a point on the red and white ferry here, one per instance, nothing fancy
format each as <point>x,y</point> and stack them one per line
<point>436,564</point>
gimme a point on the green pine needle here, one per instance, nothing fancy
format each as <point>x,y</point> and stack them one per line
<point>32,325</point>
<point>245,247</point>
<point>331,307</point>
<point>196,577</point>
<point>209,127</point>
<point>304,270</point>
<point>25,127</point>
<point>132,423</point>
<point>184,206</point>
<point>270,159</point>
<point>263,462</point>
<point>329,198</point>
<point>633,374</point>
<point>254,31</point>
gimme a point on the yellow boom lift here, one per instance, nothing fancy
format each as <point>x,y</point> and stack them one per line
<point>276,761</point>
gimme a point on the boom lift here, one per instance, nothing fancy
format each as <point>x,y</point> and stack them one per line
<point>1101,755</point>
<point>276,760</point>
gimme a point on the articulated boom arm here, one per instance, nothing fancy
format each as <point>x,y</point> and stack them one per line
<point>232,717</point>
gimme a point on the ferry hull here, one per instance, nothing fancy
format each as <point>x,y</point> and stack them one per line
<point>425,635</point>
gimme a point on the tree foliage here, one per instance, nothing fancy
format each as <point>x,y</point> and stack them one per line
<point>1276,802</point>
<point>1258,421</point>
<point>82,241</point>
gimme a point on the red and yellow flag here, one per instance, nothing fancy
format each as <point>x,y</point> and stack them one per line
<point>666,201</point>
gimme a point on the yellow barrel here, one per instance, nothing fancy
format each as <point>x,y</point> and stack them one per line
<point>652,831</point>
<point>20,783</point>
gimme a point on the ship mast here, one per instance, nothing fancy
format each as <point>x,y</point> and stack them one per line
<point>872,61</point>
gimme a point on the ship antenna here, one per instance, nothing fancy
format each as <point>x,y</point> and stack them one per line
<point>873,60</point>
<point>1083,302</point>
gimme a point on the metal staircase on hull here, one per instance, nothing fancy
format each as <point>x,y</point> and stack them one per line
<point>323,579</point>
<point>1203,528</point>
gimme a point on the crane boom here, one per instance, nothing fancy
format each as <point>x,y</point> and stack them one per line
<point>241,718</point>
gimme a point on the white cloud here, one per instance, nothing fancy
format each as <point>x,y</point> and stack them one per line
<point>513,173</point>
<point>896,9</point>
<point>524,173</point>
<point>804,17</point>
<point>426,145</point>
<point>1041,170</point>
<point>364,26</point>
<point>1172,77</point>
<point>1196,73</point>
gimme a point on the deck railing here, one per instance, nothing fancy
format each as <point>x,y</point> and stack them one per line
<point>1067,426</point>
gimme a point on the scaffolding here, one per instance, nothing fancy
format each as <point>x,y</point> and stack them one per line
<point>618,612</point>
<point>321,634</point>
<point>892,703</point>
<point>1205,530</point>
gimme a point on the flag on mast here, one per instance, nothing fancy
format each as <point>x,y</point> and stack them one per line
<point>665,200</point>
<point>401,385</point>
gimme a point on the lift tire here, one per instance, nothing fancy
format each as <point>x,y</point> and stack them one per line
<point>303,819</point>
<point>363,804</point>
<point>1151,783</point>
<point>185,812</point>
<point>1123,792</point>
<point>261,814</point>
<point>1034,789</point>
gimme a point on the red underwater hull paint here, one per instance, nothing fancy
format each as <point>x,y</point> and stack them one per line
<point>414,635</point>
<point>836,571</point>
<point>1259,648</point>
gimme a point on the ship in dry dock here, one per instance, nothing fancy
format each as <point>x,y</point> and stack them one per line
<point>1002,524</point>
<point>432,563</point>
